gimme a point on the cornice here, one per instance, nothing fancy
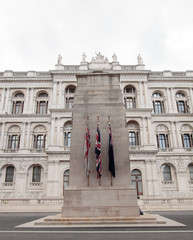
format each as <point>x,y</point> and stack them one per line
<point>166,79</point>
<point>25,79</point>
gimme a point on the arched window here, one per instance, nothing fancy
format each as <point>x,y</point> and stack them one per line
<point>67,134</point>
<point>167,176</point>
<point>187,136</point>
<point>66,178</point>
<point>36,174</point>
<point>190,167</point>
<point>162,137</point>
<point>14,133</point>
<point>18,103</point>
<point>35,177</point>
<point>136,180</point>
<point>130,97</point>
<point>182,102</point>
<point>9,174</point>
<point>39,138</point>
<point>42,103</point>
<point>70,91</point>
<point>133,129</point>
<point>158,103</point>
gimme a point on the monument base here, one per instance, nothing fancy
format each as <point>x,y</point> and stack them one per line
<point>100,202</point>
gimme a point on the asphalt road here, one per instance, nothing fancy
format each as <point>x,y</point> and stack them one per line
<point>8,221</point>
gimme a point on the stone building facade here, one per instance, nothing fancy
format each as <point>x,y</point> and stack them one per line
<point>36,124</point>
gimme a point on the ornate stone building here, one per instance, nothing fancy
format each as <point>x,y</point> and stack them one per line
<point>36,124</point>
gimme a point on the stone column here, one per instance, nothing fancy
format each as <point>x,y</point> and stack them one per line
<point>2,135</point>
<point>169,103</point>
<point>54,93</point>
<point>144,131</point>
<point>58,132</point>
<point>150,131</point>
<point>26,101</point>
<point>7,101</point>
<point>173,132</point>
<point>23,137</point>
<point>179,140</point>
<point>141,136</point>
<point>173,100</point>
<point>141,102</point>
<point>146,95</point>
<point>52,178</point>
<point>191,100</point>
<point>52,131</point>
<point>28,135</point>
<point>2,100</point>
<point>30,110</point>
<point>60,94</point>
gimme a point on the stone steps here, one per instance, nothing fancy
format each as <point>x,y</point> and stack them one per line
<point>58,220</point>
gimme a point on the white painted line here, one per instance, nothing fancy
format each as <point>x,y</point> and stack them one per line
<point>100,232</point>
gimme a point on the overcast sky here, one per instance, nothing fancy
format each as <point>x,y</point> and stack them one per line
<point>34,32</point>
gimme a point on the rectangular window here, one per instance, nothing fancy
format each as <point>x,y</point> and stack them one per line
<point>130,102</point>
<point>9,174</point>
<point>163,141</point>
<point>132,138</point>
<point>167,173</point>
<point>14,141</point>
<point>36,177</point>
<point>181,107</point>
<point>158,107</point>
<point>187,143</point>
<point>69,103</point>
<point>67,139</point>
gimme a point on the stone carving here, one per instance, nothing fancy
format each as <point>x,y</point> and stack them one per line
<point>161,127</point>
<point>59,59</point>
<point>114,57</point>
<point>140,60</point>
<point>186,127</point>
<point>99,58</point>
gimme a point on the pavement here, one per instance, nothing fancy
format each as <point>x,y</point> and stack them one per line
<point>9,229</point>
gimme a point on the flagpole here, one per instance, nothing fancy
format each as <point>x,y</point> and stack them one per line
<point>88,156</point>
<point>111,180</point>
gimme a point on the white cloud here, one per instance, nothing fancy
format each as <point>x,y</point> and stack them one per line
<point>34,32</point>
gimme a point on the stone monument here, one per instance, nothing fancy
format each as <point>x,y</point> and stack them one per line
<point>98,98</point>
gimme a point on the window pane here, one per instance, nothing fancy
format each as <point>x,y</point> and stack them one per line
<point>66,178</point>
<point>36,174</point>
<point>158,108</point>
<point>40,142</point>
<point>191,172</point>
<point>181,107</point>
<point>42,109</point>
<point>14,142</point>
<point>167,173</point>
<point>180,95</point>
<point>187,141</point>
<point>18,107</point>
<point>156,95</point>
<point>130,102</point>
<point>132,138</point>
<point>9,174</point>
<point>162,141</point>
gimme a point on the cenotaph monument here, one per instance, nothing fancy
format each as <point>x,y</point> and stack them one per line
<point>98,99</point>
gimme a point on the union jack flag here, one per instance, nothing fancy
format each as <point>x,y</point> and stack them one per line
<point>98,152</point>
<point>87,152</point>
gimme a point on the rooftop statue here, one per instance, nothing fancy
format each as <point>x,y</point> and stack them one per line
<point>84,57</point>
<point>99,58</point>
<point>114,57</point>
<point>140,60</point>
<point>59,59</point>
